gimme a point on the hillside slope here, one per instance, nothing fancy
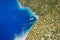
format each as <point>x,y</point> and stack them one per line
<point>48,26</point>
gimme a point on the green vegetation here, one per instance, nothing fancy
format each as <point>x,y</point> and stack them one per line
<point>48,26</point>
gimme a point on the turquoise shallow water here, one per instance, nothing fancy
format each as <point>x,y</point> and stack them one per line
<point>14,19</point>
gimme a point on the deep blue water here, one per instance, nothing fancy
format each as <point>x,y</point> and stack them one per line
<point>14,19</point>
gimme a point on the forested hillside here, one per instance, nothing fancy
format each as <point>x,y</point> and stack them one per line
<point>48,25</point>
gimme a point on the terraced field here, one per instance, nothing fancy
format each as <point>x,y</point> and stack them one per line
<point>48,25</point>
